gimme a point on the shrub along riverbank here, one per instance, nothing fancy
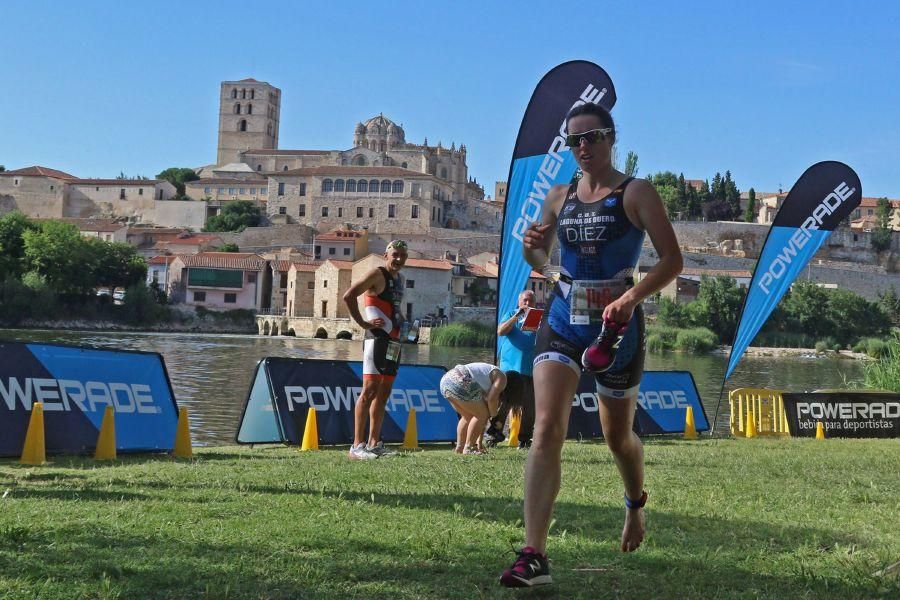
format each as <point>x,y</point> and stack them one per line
<point>726,518</point>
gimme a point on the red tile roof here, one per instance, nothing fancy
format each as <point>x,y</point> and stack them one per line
<point>873,203</point>
<point>161,260</point>
<point>424,263</point>
<point>341,235</point>
<point>479,271</point>
<point>224,260</point>
<point>281,265</point>
<point>37,171</point>
<point>341,264</point>
<point>308,267</point>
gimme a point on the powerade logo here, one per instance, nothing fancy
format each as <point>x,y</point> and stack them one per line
<point>663,399</point>
<point>658,399</point>
<point>534,202</point>
<point>798,240</point>
<point>849,410</point>
<point>88,396</point>
<point>324,398</point>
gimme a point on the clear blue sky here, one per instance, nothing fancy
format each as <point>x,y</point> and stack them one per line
<point>764,89</point>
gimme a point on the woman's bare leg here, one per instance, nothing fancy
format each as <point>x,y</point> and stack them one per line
<point>617,418</point>
<point>477,423</point>
<point>554,387</point>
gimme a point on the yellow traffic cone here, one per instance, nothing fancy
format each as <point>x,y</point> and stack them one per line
<point>34,451</point>
<point>514,425</point>
<point>820,431</point>
<point>183,448</point>
<point>310,432</point>
<point>751,425</point>
<point>690,430</point>
<point>411,435</point>
<point>106,441</point>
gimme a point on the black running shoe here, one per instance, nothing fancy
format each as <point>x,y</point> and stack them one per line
<point>493,436</point>
<point>529,569</point>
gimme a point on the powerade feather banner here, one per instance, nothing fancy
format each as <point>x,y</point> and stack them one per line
<point>541,160</point>
<point>824,196</point>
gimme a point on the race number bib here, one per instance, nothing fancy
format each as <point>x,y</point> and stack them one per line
<point>588,298</point>
<point>393,351</point>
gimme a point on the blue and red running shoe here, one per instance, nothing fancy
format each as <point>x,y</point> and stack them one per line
<point>600,355</point>
<point>530,569</point>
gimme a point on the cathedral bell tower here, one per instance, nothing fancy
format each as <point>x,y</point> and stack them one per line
<point>249,113</point>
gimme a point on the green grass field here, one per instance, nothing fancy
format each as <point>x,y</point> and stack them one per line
<point>726,518</point>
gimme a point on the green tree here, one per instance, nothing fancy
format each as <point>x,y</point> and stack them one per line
<point>2,168</point>
<point>116,264</point>
<point>480,292</point>
<point>235,216</point>
<point>12,247</point>
<point>732,195</point>
<point>717,189</point>
<point>228,248</point>
<point>631,164</point>
<point>666,184</point>
<point>851,317</point>
<point>178,176</point>
<point>750,212</point>
<point>804,309</point>
<point>703,195</point>
<point>889,301</point>
<point>57,252</point>
<point>717,305</point>
<point>881,235</point>
<point>672,314</point>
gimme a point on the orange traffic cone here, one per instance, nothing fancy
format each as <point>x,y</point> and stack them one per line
<point>310,432</point>
<point>34,451</point>
<point>690,429</point>
<point>106,441</point>
<point>411,435</point>
<point>183,448</point>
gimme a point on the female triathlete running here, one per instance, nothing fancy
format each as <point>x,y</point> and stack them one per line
<point>599,222</point>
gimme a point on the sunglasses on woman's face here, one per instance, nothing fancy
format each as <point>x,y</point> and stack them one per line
<point>573,140</point>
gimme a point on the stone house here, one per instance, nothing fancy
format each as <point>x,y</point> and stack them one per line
<point>301,289</point>
<point>427,284</point>
<point>217,280</point>
<point>332,279</point>
<point>343,243</point>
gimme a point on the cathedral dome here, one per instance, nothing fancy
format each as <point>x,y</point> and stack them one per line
<point>381,125</point>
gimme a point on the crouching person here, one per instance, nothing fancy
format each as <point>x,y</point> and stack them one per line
<point>474,392</point>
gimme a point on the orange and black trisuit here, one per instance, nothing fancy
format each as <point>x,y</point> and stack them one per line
<point>381,351</point>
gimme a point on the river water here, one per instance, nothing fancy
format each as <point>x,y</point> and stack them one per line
<point>211,373</point>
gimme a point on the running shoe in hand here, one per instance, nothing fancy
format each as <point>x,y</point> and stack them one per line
<point>600,355</point>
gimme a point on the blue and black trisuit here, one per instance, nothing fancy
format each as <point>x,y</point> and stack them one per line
<point>597,241</point>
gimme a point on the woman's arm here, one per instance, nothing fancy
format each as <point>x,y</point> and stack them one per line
<point>492,398</point>
<point>645,209</point>
<point>539,237</point>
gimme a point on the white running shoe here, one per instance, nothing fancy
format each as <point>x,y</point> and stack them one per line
<point>380,450</point>
<point>359,452</point>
